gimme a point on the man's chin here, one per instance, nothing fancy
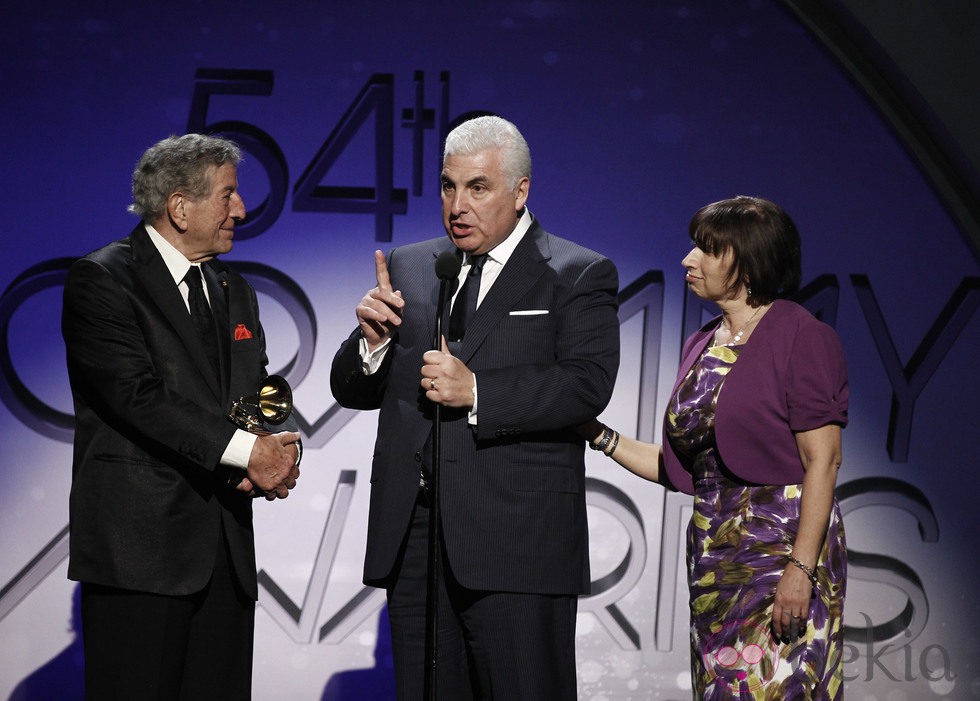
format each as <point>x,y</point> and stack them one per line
<point>464,243</point>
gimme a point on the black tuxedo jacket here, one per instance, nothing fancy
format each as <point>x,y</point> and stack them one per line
<point>148,496</point>
<point>544,346</point>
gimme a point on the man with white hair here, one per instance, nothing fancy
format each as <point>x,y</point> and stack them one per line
<point>531,350</point>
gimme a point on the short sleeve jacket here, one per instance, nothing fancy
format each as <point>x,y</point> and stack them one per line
<point>790,376</point>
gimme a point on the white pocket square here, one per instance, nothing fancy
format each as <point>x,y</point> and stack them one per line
<point>528,312</point>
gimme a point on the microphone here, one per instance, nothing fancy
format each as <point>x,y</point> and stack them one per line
<point>448,265</point>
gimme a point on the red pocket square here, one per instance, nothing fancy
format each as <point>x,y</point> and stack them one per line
<point>242,332</point>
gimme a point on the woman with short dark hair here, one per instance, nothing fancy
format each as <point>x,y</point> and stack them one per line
<point>753,431</point>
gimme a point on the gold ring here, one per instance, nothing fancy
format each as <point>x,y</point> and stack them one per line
<point>432,384</point>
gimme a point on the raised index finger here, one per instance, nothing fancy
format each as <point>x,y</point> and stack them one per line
<point>381,268</point>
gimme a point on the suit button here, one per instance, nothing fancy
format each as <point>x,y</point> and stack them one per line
<point>418,456</point>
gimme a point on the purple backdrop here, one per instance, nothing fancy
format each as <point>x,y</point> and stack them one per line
<point>636,114</point>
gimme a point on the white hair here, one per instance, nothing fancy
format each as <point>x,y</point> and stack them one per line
<point>492,132</point>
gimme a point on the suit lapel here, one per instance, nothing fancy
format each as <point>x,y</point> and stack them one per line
<point>151,269</point>
<point>525,266</point>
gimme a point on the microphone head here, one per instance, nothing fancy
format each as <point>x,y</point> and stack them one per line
<point>448,266</point>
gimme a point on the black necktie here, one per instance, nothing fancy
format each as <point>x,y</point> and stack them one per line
<point>465,305</point>
<point>201,315</point>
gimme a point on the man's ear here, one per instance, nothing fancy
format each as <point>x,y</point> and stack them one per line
<point>520,193</point>
<point>177,211</point>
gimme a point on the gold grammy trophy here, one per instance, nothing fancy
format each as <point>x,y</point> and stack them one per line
<point>272,404</point>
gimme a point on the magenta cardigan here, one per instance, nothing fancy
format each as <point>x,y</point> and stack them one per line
<point>790,376</point>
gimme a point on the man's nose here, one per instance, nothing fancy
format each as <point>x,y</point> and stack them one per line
<point>237,208</point>
<point>458,203</point>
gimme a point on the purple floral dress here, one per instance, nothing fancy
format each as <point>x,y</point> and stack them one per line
<point>738,542</point>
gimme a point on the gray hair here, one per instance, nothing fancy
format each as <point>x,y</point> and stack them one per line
<point>491,132</point>
<point>178,164</point>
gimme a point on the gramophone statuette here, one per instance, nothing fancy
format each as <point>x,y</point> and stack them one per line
<point>271,404</point>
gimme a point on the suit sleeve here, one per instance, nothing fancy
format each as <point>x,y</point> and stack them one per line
<point>348,383</point>
<point>578,383</point>
<point>111,368</point>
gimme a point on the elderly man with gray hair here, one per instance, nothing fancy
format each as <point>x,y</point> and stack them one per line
<point>530,350</point>
<point>161,336</point>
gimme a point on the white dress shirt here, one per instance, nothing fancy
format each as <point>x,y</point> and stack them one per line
<point>240,446</point>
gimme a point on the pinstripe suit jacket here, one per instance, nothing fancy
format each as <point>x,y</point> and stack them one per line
<point>512,487</point>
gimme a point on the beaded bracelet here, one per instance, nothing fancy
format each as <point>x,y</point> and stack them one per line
<point>615,443</point>
<point>811,575</point>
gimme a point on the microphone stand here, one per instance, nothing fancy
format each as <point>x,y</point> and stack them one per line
<point>444,269</point>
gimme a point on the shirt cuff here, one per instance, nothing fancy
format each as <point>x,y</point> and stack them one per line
<point>239,449</point>
<point>471,417</point>
<point>371,359</point>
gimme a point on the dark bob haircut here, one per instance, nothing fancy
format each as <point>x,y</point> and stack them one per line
<point>763,241</point>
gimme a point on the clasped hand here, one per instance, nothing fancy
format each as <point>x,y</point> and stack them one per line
<point>272,469</point>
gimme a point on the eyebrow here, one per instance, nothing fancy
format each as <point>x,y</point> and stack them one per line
<point>478,180</point>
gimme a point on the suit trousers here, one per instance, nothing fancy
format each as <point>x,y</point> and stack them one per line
<point>151,646</point>
<point>492,645</point>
